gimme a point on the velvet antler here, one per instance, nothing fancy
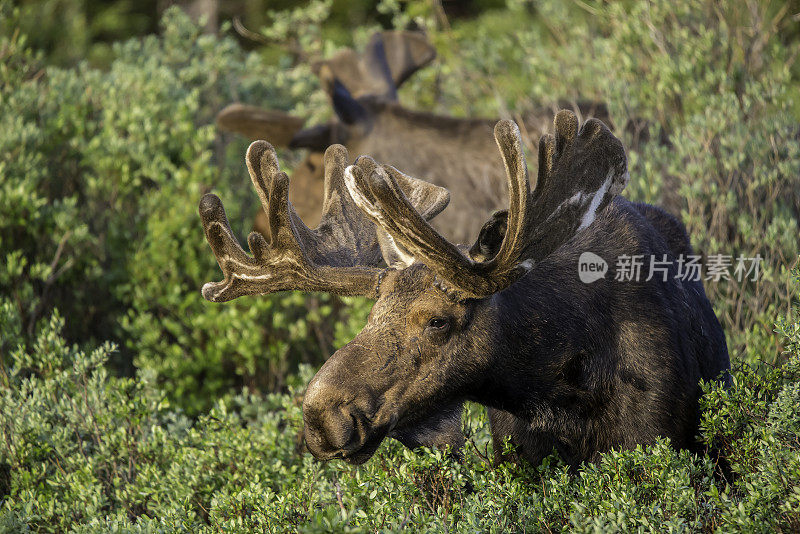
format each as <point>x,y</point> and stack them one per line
<point>579,173</point>
<point>342,255</point>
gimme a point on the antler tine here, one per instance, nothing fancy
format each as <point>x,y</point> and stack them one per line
<point>547,152</point>
<point>566,127</point>
<point>224,245</point>
<point>286,228</point>
<point>272,187</point>
<point>509,141</point>
<point>334,162</point>
<point>423,201</point>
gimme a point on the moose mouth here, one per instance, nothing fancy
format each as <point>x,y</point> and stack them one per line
<point>366,452</point>
<point>356,454</point>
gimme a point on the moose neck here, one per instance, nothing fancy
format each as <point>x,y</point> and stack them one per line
<point>522,369</point>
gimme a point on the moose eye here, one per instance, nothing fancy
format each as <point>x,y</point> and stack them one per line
<point>438,323</point>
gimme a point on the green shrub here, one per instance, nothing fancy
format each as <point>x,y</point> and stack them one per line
<point>81,450</point>
<point>102,172</point>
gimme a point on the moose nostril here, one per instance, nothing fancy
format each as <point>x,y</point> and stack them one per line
<point>336,417</point>
<point>329,431</point>
<point>330,426</point>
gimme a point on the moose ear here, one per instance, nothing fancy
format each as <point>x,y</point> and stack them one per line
<point>406,53</point>
<point>318,138</point>
<point>347,108</point>
<point>256,123</point>
<point>389,59</point>
<point>490,237</point>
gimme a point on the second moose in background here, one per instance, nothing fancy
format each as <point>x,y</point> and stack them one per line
<point>455,153</point>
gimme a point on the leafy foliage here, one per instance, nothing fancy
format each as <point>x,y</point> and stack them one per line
<point>80,449</point>
<point>113,240</point>
<point>190,420</point>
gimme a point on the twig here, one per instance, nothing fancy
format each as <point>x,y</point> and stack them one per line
<point>483,455</point>
<point>441,16</point>
<point>248,34</point>
<point>339,495</point>
<point>51,278</point>
<point>408,514</point>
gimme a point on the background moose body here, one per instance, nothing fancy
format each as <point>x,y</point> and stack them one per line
<point>581,368</point>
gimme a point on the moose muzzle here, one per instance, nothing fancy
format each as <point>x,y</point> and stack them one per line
<point>341,412</point>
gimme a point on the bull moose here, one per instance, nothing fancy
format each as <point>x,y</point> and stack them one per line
<point>456,153</point>
<point>576,367</point>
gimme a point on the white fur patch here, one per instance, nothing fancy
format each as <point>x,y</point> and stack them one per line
<point>613,184</point>
<point>591,213</point>
<point>527,264</point>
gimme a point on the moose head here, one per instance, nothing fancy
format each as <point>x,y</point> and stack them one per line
<point>582,368</point>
